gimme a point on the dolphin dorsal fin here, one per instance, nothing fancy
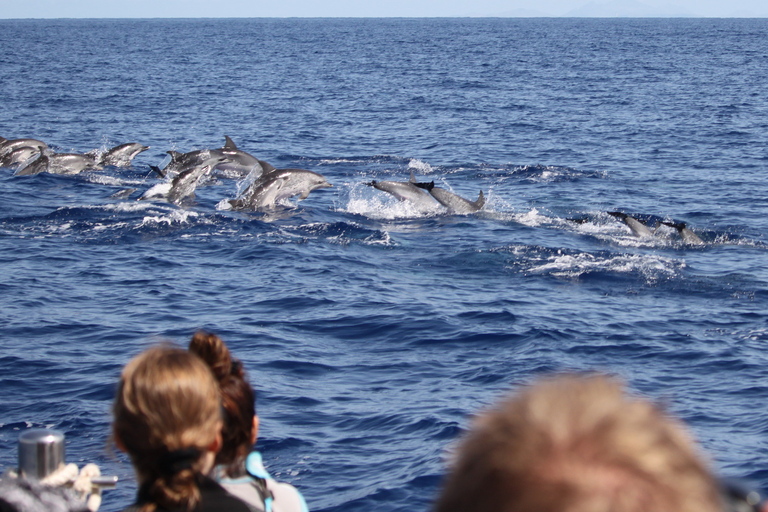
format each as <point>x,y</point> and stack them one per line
<point>480,200</point>
<point>229,144</point>
<point>266,167</point>
<point>413,178</point>
<point>175,155</point>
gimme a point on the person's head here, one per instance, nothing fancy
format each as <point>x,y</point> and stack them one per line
<point>577,444</point>
<point>237,397</point>
<point>167,418</point>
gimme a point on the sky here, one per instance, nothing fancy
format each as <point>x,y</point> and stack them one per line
<point>376,8</point>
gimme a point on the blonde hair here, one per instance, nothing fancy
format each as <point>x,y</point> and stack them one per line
<point>578,444</point>
<point>166,414</point>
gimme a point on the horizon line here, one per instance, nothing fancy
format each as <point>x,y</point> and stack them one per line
<point>499,16</point>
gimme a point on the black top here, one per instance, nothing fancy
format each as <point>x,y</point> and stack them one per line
<point>213,498</point>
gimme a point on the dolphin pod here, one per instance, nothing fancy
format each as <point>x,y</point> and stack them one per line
<point>33,157</point>
<point>183,173</point>
<point>269,185</point>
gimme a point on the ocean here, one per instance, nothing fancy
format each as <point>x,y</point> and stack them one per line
<point>372,330</point>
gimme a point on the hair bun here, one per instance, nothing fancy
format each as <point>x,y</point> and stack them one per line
<point>211,349</point>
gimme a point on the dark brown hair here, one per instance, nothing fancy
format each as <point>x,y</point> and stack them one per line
<point>577,444</point>
<point>238,399</point>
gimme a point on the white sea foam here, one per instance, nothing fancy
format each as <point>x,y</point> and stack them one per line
<point>418,165</point>
<point>127,206</point>
<point>389,208</point>
<point>105,179</point>
<point>174,217</point>
<point>574,265</point>
<point>159,190</point>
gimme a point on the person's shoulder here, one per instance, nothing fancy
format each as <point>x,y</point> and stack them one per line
<point>286,498</point>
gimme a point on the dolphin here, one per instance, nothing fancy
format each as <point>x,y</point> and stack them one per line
<point>121,156</point>
<point>688,236</point>
<point>182,185</point>
<point>453,202</point>
<point>36,166</point>
<point>638,229</point>
<point>277,185</point>
<point>237,161</point>
<point>19,156</point>
<point>72,163</point>
<point>6,146</point>
<point>183,161</point>
<point>405,191</point>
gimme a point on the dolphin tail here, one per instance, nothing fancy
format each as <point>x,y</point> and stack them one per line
<point>480,201</point>
<point>158,170</point>
<point>677,225</point>
<point>427,186</point>
<point>229,144</point>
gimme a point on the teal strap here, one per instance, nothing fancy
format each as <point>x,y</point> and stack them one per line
<point>255,466</point>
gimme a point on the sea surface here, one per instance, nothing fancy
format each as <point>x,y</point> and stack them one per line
<point>372,330</point>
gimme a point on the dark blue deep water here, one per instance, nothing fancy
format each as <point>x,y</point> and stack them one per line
<point>373,331</point>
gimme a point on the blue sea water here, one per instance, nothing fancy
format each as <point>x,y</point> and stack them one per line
<point>371,330</point>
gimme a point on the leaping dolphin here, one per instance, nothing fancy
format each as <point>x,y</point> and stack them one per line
<point>688,236</point>
<point>6,146</point>
<point>36,166</point>
<point>182,185</point>
<point>122,155</point>
<point>72,163</point>
<point>454,203</point>
<point>277,185</point>
<point>61,163</point>
<point>405,191</point>
<point>638,229</point>
<point>19,156</point>
<point>237,161</point>
<point>183,161</point>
